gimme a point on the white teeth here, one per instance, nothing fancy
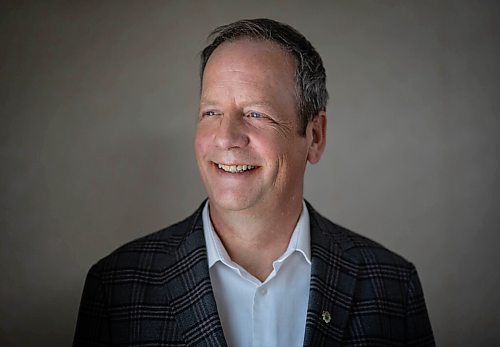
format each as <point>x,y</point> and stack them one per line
<point>235,168</point>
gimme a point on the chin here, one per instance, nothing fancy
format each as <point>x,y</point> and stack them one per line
<point>230,202</point>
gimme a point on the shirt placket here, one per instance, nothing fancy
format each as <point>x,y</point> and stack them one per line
<point>260,317</point>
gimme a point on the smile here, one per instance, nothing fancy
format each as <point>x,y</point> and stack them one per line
<point>235,168</point>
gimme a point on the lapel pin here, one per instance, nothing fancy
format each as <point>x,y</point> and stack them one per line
<point>326,317</point>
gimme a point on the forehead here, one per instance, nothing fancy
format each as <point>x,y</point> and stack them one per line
<point>262,64</point>
<point>251,55</point>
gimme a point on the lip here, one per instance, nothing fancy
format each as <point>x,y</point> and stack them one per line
<point>232,163</point>
<point>215,165</point>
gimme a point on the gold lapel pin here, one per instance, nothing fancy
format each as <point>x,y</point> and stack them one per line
<point>326,317</point>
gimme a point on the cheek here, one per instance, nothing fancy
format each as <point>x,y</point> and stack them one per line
<point>273,152</point>
<point>267,145</point>
<point>295,154</point>
<point>201,142</point>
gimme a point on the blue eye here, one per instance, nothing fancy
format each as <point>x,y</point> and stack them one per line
<point>254,115</point>
<point>210,113</point>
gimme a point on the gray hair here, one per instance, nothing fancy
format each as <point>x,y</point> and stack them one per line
<point>310,76</point>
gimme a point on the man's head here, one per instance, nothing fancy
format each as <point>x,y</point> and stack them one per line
<point>251,147</point>
<point>310,76</point>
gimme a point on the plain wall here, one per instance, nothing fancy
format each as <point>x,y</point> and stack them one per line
<point>98,103</point>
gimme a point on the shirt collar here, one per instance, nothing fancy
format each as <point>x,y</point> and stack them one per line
<point>299,241</point>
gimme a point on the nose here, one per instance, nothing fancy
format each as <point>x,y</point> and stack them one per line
<point>231,132</point>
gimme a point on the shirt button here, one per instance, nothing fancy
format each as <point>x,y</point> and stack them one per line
<point>263,290</point>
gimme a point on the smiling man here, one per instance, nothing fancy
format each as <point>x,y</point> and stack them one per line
<point>255,265</point>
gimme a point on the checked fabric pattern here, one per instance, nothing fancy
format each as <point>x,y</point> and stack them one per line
<point>156,291</point>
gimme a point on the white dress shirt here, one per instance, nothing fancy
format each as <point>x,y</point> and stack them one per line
<point>262,314</point>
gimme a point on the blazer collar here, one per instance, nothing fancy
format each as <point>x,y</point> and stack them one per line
<point>333,281</point>
<point>189,290</point>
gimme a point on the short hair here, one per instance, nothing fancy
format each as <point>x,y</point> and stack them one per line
<point>310,76</point>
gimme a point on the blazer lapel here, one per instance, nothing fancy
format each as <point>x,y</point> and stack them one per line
<point>190,292</point>
<point>333,281</point>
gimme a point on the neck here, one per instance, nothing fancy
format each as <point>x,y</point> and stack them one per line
<point>255,239</point>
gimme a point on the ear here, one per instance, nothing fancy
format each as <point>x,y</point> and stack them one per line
<point>316,136</point>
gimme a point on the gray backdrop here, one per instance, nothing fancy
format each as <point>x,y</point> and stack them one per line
<point>98,105</point>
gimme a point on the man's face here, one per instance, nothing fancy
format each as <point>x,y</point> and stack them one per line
<point>248,148</point>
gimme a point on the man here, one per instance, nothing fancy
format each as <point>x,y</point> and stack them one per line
<point>255,265</point>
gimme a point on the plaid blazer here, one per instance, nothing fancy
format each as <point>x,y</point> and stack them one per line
<point>156,291</point>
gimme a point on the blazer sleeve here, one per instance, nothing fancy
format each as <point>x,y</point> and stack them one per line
<point>92,327</point>
<point>418,326</point>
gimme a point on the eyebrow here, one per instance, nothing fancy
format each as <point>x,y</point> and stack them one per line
<point>207,102</point>
<point>263,103</point>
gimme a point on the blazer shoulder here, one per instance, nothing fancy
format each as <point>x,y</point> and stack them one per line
<point>361,249</point>
<point>372,252</point>
<point>160,245</point>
